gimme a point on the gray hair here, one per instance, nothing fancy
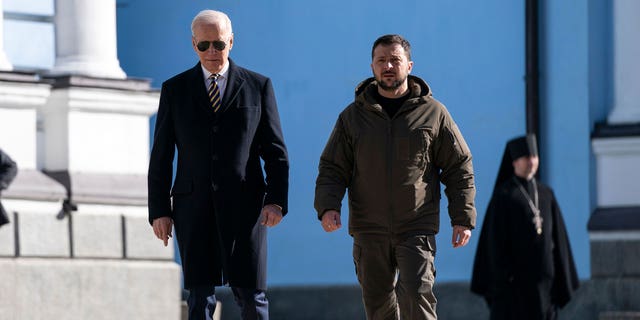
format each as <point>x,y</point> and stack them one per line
<point>212,17</point>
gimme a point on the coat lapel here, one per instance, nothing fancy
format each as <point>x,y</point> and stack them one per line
<point>234,84</point>
<point>200,95</point>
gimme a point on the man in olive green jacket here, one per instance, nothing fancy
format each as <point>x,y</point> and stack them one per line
<point>391,148</point>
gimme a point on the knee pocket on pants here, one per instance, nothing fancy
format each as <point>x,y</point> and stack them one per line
<point>416,286</point>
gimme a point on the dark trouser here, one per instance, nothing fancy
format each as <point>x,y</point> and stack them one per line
<point>396,276</point>
<point>253,303</point>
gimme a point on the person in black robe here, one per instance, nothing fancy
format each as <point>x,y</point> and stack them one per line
<point>523,265</point>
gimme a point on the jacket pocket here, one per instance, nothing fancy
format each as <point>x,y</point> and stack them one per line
<point>419,147</point>
<point>459,146</point>
<point>250,107</point>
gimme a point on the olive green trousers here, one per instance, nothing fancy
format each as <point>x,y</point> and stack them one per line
<point>396,276</point>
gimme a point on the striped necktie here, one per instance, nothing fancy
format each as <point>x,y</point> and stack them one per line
<point>214,92</point>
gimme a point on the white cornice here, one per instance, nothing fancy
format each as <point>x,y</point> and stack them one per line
<point>632,235</point>
<point>618,145</point>
<point>23,95</point>
<point>102,101</point>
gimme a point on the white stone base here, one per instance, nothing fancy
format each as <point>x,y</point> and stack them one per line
<point>5,65</point>
<point>617,161</point>
<point>79,289</point>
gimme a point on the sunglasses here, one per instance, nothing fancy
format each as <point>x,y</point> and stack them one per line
<point>217,44</point>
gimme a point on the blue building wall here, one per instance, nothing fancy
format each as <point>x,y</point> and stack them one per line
<point>575,93</point>
<point>470,52</point>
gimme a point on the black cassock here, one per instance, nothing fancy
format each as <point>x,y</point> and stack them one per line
<point>523,274</point>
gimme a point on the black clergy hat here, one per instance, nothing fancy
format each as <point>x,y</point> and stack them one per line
<point>515,148</point>
<point>523,146</point>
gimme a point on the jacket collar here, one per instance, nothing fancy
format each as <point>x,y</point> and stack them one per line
<point>418,87</point>
<point>365,91</point>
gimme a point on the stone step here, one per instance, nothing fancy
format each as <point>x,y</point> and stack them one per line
<point>619,315</point>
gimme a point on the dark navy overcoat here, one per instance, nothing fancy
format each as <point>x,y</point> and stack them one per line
<point>220,184</point>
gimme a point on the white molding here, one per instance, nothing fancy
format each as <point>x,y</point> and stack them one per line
<point>614,236</point>
<point>23,95</point>
<point>24,205</point>
<point>102,101</point>
<point>618,145</point>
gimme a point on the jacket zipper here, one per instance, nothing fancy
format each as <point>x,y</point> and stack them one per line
<point>390,171</point>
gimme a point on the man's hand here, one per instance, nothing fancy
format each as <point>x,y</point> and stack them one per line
<point>271,215</point>
<point>331,220</point>
<point>461,236</point>
<point>162,228</point>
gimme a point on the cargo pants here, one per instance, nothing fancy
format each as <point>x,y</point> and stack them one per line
<point>396,276</point>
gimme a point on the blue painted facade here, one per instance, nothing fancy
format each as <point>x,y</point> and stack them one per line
<point>471,53</point>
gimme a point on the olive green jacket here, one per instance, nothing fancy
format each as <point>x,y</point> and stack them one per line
<point>392,167</point>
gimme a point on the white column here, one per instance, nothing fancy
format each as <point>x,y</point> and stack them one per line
<point>4,61</point>
<point>626,62</point>
<point>86,39</point>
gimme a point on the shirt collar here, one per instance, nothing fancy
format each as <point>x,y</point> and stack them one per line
<point>223,73</point>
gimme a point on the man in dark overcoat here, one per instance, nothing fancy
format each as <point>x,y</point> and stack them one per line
<point>8,171</point>
<point>222,119</point>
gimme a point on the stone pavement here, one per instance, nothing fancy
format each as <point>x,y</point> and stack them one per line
<point>596,299</point>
